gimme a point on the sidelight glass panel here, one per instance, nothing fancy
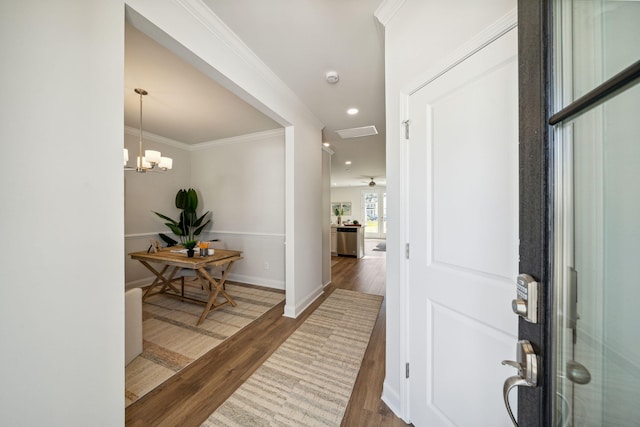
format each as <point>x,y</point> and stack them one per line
<point>597,334</point>
<point>604,37</point>
<point>596,219</point>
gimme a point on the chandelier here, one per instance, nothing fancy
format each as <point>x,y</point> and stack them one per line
<point>152,159</point>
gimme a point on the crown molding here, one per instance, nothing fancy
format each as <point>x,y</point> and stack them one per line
<point>250,137</point>
<point>128,130</point>
<point>387,10</point>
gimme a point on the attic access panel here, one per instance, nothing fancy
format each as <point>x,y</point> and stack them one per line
<point>357,132</point>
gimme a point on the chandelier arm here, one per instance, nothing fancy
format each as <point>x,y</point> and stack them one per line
<point>155,157</point>
<point>140,161</point>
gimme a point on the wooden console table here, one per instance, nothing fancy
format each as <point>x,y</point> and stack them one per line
<point>177,260</point>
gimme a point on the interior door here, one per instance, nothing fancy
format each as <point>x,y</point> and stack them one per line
<point>463,228</point>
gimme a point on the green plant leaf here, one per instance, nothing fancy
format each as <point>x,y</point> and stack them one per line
<point>166,218</point>
<point>175,229</point>
<point>168,240</point>
<point>188,224</point>
<point>192,200</point>
<point>188,218</point>
<point>190,244</point>
<point>181,199</point>
<point>199,229</point>
<point>199,220</point>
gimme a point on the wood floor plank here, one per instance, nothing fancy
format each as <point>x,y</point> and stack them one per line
<point>189,397</point>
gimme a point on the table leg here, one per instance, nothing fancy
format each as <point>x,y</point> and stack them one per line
<point>159,279</point>
<point>218,290</point>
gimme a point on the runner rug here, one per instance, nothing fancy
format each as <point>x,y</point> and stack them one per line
<point>308,380</point>
<point>172,340</point>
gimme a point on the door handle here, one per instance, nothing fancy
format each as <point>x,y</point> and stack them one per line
<point>528,365</point>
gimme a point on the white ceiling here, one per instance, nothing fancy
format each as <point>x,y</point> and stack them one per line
<point>183,104</point>
<point>300,40</point>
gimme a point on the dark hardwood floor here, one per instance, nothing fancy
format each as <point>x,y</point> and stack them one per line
<point>189,397</point>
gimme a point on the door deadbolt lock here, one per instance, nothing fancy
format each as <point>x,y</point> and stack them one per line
<point>528,365</point>
<point>526,303</point>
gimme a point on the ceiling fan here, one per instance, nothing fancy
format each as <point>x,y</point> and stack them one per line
<point>371,183</point>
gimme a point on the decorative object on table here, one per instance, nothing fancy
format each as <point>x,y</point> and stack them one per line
<point>204,248</point>
<point>190,246</point>
<point>151,158</point>
<point>189,225</point>
<point>154,247</point>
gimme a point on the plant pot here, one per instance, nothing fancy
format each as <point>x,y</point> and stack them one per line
<point>190,252</point>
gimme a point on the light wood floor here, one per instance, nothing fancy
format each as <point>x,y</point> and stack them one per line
<point>189,397</point>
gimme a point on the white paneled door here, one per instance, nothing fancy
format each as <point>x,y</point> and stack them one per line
<point>463,235</point>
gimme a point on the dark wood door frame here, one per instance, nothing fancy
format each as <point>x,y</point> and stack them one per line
<point>534,47</point>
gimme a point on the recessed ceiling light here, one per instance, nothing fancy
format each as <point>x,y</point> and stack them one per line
<point>326,144</point>
<point>348,162</point>
<point>352,111</point>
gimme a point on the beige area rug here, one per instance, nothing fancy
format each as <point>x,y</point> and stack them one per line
<point>172,340</point>
<point>308,380</point>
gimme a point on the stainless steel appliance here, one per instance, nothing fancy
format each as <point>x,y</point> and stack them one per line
<point>348,242</point>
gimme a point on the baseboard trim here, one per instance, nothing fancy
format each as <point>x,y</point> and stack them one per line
<point>258,281</point>
<point>293,311</point>
<point>392,399</point>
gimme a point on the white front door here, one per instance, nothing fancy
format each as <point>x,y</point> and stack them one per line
<point>463,232</point>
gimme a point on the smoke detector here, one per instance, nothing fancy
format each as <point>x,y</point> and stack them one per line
<point>332,77</point>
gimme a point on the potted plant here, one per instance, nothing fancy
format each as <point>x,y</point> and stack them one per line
<point>189,225</point>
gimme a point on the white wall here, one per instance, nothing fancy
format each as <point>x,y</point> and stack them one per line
<point>353,195</point>
<point>61,127</point>
<point>242,182</point>
<point>419,35</point>
<point>326,206</point>
<point>305,219</point>
<point>194,33</point>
